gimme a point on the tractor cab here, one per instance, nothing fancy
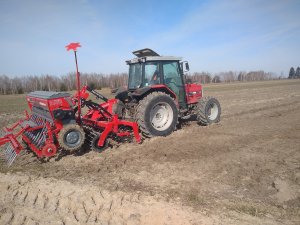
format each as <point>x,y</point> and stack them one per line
<point>150,70</point>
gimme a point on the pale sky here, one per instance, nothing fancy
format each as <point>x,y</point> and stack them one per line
<point>214,36</point>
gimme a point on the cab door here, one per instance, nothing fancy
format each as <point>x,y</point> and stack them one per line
<point>173,79</point>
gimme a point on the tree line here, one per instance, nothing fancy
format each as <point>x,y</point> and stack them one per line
<point>232,76</point>
<point>294,74</point>
<point>25,84</point>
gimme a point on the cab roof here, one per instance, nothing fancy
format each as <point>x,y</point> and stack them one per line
<point>148,54</point>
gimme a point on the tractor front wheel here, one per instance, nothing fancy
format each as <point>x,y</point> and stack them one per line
<point>156,115</point>
<point>71,137</point>
<point>208,111</point>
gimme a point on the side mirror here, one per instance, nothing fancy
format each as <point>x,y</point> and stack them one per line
<point>187,67</point>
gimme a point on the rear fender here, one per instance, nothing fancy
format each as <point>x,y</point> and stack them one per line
<point>141,92</point>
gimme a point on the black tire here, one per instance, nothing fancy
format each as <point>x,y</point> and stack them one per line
<point>205,116</point>
<point>165,119</point>
<point>94,143</point>
<point>71,137</point>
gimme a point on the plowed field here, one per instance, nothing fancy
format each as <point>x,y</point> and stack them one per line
<point>244,170</point>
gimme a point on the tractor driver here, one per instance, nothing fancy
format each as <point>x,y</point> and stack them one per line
<point>155,78</point>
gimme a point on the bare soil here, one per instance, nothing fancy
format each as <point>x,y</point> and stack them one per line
<point>244,170</point>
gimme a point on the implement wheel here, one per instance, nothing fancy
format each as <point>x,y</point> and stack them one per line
<point>71,137</point>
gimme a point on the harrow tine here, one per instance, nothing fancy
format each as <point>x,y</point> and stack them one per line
<point>42,138</point>
<point>41,122</point>
<point>2,133</point>
<point>3,153</point>
<point>38,136</point>
<point>10,154</point>
<point>35,138</point>
<point>27,133</point>
<point>38,121</point>
<point>30,135</point>
<point>12,158</point>
<point>33,118</point>
<point>9,151</point>
<point>35,135</point>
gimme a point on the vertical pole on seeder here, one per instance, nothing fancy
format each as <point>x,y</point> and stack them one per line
<point>74,46</point>
<point>78,88</point>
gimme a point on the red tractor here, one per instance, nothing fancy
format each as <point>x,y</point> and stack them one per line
<point>158,97</point>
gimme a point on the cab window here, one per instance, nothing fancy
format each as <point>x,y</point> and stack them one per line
<point>152,76</point>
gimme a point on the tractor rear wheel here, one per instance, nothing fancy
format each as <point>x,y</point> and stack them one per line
<point>156,115</point>
<point>71,137</point>
<point>208,111</point>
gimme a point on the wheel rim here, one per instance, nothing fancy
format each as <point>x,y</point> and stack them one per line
<point>213,111</point>
<point>161,116</point>
<point>73,138</point>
